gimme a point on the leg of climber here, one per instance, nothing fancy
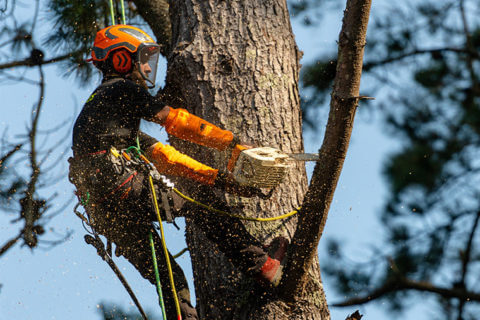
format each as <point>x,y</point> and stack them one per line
<point>127,223</point>
<point>130,237</point>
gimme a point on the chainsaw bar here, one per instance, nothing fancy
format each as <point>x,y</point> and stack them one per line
<point>303,156</point>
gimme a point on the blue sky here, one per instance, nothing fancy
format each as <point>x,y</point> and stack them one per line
<point>69,280</point>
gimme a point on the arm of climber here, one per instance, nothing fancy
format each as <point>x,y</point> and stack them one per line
<point>169,161</point>
<point>184,125</point>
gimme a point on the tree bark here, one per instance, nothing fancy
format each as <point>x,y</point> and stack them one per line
<point>236,64</point>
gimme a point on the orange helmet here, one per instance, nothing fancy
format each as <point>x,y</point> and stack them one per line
<point>122,44</point>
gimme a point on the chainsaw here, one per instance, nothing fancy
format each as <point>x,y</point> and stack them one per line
<point>266,167</point>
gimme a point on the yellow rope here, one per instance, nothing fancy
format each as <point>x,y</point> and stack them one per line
<point>284,216</point>
<point>165,250</point>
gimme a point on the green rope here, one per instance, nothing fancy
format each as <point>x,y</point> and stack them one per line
<point>85,202</point>
<point>123,12</point>
<point>136,148</point>
<point>112,12</point>
<point>138,143</point>
<point>157,277</point>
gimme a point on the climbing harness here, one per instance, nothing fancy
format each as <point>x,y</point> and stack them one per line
<point>127,165</point>
<point>141,163</point>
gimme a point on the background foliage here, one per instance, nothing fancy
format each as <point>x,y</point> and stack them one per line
<point>422,60</point>
<point>422,65</point>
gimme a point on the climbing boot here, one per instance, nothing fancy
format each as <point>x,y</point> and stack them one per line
<point>272,269</point>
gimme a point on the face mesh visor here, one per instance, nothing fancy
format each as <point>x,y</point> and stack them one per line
<point>148,60</point>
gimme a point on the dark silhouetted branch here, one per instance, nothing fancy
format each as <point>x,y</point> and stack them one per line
<point>9,244</point>
<point>372,64</point>
<point>343,105</point>
<point>29,63</point>
<point>31,208</point>
<point>354,316</point>
<point>10,153</point>
<point>400,284</point>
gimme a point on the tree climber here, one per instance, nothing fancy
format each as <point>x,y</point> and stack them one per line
<point>119,205</point>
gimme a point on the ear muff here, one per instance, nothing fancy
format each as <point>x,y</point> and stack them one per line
<point>122,61</point>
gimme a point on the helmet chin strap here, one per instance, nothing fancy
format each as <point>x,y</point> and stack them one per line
<point>137,76</point>
<point>144,76</point>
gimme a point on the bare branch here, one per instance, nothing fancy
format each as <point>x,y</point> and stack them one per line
<point>469,44</point>
<point>400,284</point>
<point>31,206</point>
<point>4,8</point>
<point>9,244</point>
<point>10,153</point>
<point>29,63</point>
<point>332,154</point>
<point>372,64</point>
<point>18,79</point>
<point>35,16</point>
<point>466,260</point>
<point>355,316</point>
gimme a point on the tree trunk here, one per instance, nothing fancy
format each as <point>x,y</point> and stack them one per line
<point>236,64</point>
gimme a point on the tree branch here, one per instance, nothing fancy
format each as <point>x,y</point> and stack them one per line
<point>10,153</point>
<point>373,64</point>
<point>10,243</point>
<point>469,45</point>
<point>466,259</point>
<point>354,316</point>
<point>31,206</point>
<point>401,283</point>
<point>29,63</point>
<point>332,154</point>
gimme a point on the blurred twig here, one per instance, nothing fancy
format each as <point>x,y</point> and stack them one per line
<point>10,153</point>
<point>31,208</point>
<point>29,63</point>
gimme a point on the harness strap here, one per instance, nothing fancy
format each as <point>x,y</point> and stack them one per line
<point>129,178</point>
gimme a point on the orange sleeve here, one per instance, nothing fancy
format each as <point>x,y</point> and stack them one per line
<point>234,157</point>
<point>184,125</point>
<point>169,160</point>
